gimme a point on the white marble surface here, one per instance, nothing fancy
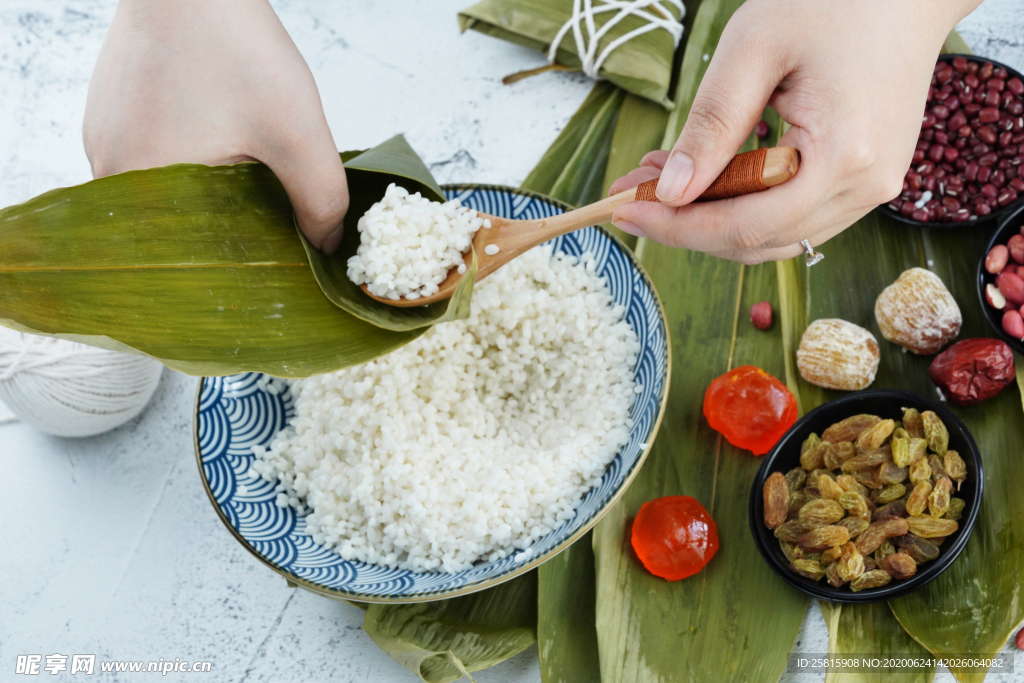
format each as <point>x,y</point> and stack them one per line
<point>109,545</point>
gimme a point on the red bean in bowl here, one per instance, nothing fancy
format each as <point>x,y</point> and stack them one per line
<point>967,162</point>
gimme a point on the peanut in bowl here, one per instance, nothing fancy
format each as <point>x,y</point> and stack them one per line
<point>819,545</point>
<point>1003,312</point>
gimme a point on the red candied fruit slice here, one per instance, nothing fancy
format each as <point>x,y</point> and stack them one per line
<point>750,408</point>
<point>674,537</point>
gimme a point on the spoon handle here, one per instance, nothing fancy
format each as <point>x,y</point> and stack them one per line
<point>748,172</point>
<point>754,172</point>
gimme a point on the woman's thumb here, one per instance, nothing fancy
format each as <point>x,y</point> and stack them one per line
<point>727,106</point>
<point>314,178</point>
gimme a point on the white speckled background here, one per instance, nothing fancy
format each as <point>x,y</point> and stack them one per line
<point>109,545</point>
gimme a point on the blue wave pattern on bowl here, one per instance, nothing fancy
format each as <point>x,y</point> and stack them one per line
<point>239,412</point>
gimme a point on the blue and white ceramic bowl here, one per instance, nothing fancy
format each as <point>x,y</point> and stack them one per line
<point>235,413</point>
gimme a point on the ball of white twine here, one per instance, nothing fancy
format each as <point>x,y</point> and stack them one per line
<point>69,389</point>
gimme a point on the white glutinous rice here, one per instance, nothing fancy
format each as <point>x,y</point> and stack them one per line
<point>475,440</point>
<point>409,243</point>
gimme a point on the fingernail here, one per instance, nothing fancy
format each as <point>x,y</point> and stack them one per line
<point>675,177</point>
<point>628,228</point>
<point>332,241</point>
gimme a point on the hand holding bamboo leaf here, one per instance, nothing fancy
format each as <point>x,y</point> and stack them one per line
<point>830,71</point>
<point>135,262</point>
<point>214,82</point>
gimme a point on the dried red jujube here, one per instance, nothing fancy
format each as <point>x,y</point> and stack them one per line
<point>973,370</point>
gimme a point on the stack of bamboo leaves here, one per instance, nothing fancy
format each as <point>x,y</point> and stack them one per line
<point>105,262</point>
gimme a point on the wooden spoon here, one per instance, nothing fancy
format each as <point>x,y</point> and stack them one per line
<point>748,172</point>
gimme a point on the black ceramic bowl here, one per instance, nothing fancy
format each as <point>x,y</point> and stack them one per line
<point>887,403</point>
<point>1010,225</point>
<point>981,222</point>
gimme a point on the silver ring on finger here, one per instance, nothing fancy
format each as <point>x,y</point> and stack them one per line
<point>812,256</point>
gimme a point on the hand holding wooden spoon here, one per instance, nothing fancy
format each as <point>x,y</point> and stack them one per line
<point>748,172</point>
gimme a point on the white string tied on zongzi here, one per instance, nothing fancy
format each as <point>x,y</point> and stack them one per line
<point>70,389</point>
<point>584,11</point>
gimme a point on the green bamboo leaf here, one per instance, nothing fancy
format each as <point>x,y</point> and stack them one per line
<point>372,171</point>
<point>642,65</point>
<point>566,599</point>
<point>708,24</point>
<point>705,627</point>
<point>735,620</point>
<point>429,665</point>
<point>197,266</point>
<point>543,176</point>
<point>639,129</point>
<point>580,181</point>
<point>871,630</point>
<point>568,168</point>
<point>443,640</point>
